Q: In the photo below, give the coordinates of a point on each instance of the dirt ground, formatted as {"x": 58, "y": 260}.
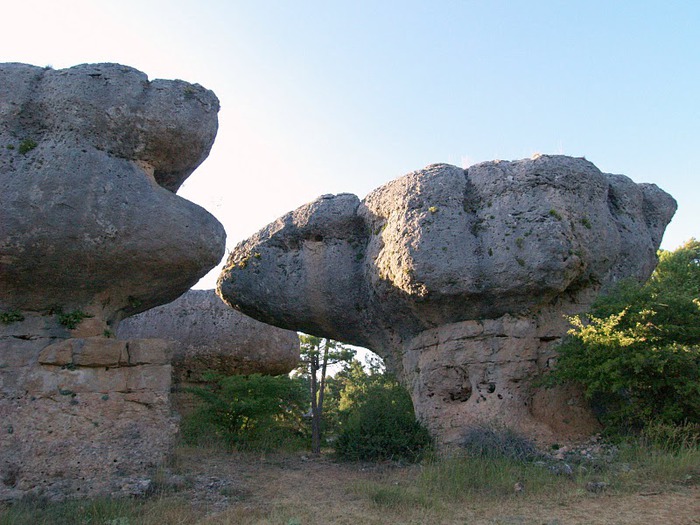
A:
{"x": 294, "y": 489}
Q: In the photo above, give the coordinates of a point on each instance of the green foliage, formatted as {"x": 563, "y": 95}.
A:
{"x": 672, "y": 438}
{"x": 27, "y": 145}
{"x": 72, "y": 319}
{"x": 637, "y": 355}
{"x": 134, "y": 302}
{"x": 331, "y": 416}
{"x": 313, "y": 349}
{"x": 11, "y": 316}
{"x": 379, "y": 423}
{"x": 253, "y": 412}
{"x": 316, "y": 355}
{"x": 554, "y": 213}
{"x": 355, "y": 379}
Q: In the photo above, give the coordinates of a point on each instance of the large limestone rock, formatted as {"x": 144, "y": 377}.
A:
{"x": 459, "y": 279}
{"x": 209, "y": 335}
{"x": 91, "y": 231}
{"x": 82, "y": 416}
{"x": 90, "y": 159}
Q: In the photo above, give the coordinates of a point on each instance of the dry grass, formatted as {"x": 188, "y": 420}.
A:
{"x": 290, "y": 489}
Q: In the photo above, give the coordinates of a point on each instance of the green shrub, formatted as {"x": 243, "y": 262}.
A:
{"x": 253, "y": 412}
{"x": 637, "y": 355}
{"x": 554, "y": 213}
{"x": 380, "y": 424}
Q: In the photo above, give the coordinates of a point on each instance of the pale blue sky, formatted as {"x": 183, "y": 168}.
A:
{"x": 343, "y": 96}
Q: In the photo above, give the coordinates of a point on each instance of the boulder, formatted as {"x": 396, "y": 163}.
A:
{"x": 208, "y": 335}
{"x": 91, "y": 231}
{"x": 459, "y": 279}
{"x": 90, "y": 158}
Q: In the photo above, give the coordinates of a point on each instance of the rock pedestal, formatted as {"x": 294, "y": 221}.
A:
{"x": 90, "y": 160}
{"x": 208, "y": 335}
{"x": 82, "y": 416}
{"x": 476, "y": 373}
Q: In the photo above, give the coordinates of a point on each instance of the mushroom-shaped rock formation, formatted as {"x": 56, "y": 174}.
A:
{"x": 459, "y": 279}
{"x": 209, "y": 335}
{"x": 91, "y": 231}
{"x": 91, "y": 157}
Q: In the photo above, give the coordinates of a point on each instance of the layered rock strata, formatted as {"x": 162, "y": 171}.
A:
{"x": 81, "y": 417}
{"x": 459, "y": 279}
{"x": 209, "y": 336}
{"x": 91, "y": 231}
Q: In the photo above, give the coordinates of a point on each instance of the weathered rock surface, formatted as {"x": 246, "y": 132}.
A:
{"x": 81, "y": 417}
{"x": 209, "y": 335}
{"x": 458, "y": 279}
{"x": 91, "y": 232}
{"x": 90, "y": 158}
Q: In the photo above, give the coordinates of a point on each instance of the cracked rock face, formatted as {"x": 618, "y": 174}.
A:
{"x": 517, "y": 244}
{"x": 90, "y": 158}
{"x": 91, "y": 231}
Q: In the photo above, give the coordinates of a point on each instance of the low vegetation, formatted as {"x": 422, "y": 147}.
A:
{"x": 253, "y": 412}
{"x": 11, "y": 316}
{"x": 71, "y": 319}
{"x": 637, "y": 354}
{"x": 291, "y": 488}
{"x": 27, "y": 145}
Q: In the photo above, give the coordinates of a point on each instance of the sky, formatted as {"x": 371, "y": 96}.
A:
{"x": 336, "y": 96}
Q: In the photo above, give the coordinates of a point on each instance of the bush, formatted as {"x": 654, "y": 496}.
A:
{"x": 253, "y": 412}
{"x": 488, "y": 441}
{"x": 380, "y": 424}
{"x": 637, "y": 355}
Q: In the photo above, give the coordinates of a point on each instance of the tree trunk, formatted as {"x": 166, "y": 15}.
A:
{"x": 315, "y": 415}
{"x": 317, "y": 403}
